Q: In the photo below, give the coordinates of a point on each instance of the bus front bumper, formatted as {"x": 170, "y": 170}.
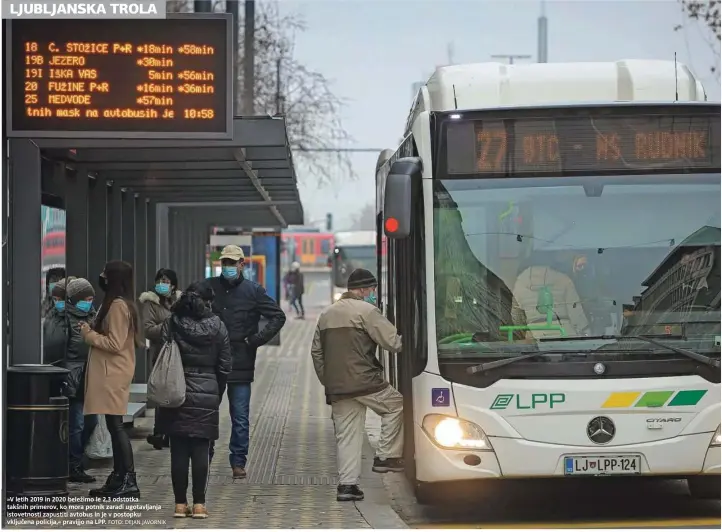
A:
{"x": 681, "y": 456}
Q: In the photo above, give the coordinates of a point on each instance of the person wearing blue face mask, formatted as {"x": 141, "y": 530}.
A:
{"x": 344, "y": 347}
{"x": 240, "y": 303}
{"x": 52, "y": 276}
{"x": 155, "y": 305}
{"x": 55, "y": 326}
{"x": 78, "y": 309}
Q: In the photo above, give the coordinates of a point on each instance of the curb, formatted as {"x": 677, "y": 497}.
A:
{"x": 376, "y": 507}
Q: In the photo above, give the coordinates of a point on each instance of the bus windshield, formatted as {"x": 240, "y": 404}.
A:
{"x": 350, "y": 258}
{"x": 544, "y": 260}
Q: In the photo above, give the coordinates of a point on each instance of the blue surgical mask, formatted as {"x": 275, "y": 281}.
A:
{"x": 230, "y": 272}
{"x": 371, "y": 298}
{"x": 162, "y": 289}
{"x": 60, "y": 306}
{"x": 84, "y": 306}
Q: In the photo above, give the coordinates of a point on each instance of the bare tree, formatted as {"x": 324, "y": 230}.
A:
{"x": 285, "y": 86}
{"x": 705, "y": 13}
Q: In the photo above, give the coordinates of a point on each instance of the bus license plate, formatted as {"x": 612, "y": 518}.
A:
{"x": 628, "y": 464}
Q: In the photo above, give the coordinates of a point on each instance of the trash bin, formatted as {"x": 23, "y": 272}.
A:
{"x": 36, "y": 460}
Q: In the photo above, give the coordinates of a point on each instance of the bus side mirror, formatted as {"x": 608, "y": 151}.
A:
{"x": 397, "y": 197}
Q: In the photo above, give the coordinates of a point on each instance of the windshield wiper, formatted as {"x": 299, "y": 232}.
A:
{"x": 702, "y": 359}
{"x": 479, "y": 368}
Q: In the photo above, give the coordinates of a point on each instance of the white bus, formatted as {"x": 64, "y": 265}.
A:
{"x": 352, "y": 249}
{"x": 553, "y": 265}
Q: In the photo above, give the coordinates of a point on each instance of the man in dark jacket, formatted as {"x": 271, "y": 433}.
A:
{"x": 241, "y": 303}
{"x": 79, "y": 308}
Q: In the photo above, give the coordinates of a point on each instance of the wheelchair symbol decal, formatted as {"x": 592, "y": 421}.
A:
{"x": 440, "y": 397}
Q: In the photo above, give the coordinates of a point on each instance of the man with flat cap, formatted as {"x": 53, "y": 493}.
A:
{"x": 347, "y": 336}
{"x": 240, "y": 303}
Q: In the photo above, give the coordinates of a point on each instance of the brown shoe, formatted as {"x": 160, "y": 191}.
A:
{"x": 182, "y": 510}
{"x": 239, "y": 472}
{"x": 199, "y": 511}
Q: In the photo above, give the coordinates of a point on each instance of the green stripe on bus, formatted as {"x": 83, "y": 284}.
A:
{"x": 687, "y": 398}
{"x": 653, "y": 399}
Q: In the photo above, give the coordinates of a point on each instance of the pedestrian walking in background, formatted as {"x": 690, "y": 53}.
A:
{"x": 344, "y": 357}
{"x": 155, "y": 308}
{"x": 205, "y": 352}
{"x": 240, "y": 303}
{"x": 55, "y": 326}
{"x": 79, "y": 309}
{"x": 111, "y": 366}
{"x": 294, "y": 281}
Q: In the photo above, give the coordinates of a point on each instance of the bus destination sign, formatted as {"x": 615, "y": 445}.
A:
{"x": 162, "y": 78}
{"x": 586, "y": 145}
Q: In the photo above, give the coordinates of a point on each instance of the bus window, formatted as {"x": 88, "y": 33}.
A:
{"x": 325, "y": 247}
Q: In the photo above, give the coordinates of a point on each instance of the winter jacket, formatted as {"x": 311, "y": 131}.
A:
{"x": 154, "y": 310}
{"x": 294, "y": 280}
{"x": 344, "y": 348}
{"x": 55, "y": 337}
{"x": 111, "y": 363}
{"x": 76, "y": 355}
{"x": 206, "y": 356}
{"x": 240, "y": 304}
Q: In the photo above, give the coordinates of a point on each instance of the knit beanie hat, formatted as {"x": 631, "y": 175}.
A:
{"x": 78, "y": 289}
{"x": 361, "y": 278}
{"x": 59, "y": 288}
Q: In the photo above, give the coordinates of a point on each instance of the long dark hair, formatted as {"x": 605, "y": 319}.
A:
{"x": 194, "y": 301}
{"x": 120, "y": 285}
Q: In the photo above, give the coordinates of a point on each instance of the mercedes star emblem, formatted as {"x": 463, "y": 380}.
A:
{"x": 601, "y": 430}
{"x": 599, "y": 368}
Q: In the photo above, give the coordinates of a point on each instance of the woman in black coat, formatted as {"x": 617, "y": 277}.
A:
{"x": 206, "y": 355}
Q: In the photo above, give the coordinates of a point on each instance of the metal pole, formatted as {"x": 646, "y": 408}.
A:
{"x": 232, "y": 8}
{"x": 249, "y": 57}
{"x": 279, "y": 98}
{"x": 202, "y": 6}
{"x": 542, "y": 36}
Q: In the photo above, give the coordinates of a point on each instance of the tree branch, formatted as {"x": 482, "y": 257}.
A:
{"x": 311, "y": 108}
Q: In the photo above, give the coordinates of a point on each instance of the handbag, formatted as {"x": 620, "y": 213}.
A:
{"x": 167, "y": 383}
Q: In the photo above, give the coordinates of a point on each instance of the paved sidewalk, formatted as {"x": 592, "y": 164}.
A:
{"x": 292, "y": 463}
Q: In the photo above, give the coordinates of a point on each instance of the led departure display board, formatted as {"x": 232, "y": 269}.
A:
{"x": 585, "y": 145}
{"x": 162, "y": 78}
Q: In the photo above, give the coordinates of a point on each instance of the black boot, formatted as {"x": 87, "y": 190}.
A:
{"x": 114, "y": 480}
{"x": 127, "y": 488}
{"x": 78, "y": 475}
{"x": 156, "y": 440}
{"x": 166, "y": 442}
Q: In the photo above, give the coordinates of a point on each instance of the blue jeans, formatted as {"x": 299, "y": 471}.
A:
{"x": 239, "y": 401}
{"x": 80, "y": 428}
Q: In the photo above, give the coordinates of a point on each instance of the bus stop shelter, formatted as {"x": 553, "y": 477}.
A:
{"x": 151, "y": 203}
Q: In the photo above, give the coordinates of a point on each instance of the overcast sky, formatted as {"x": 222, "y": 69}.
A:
{"x": 374, "y": 50}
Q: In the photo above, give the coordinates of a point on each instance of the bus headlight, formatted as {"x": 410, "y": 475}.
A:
{"x": 455, "y": 433}
{"x": 716, "y": 439}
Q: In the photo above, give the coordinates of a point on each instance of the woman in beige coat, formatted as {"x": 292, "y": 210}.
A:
{"x": 110, "y": 369}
